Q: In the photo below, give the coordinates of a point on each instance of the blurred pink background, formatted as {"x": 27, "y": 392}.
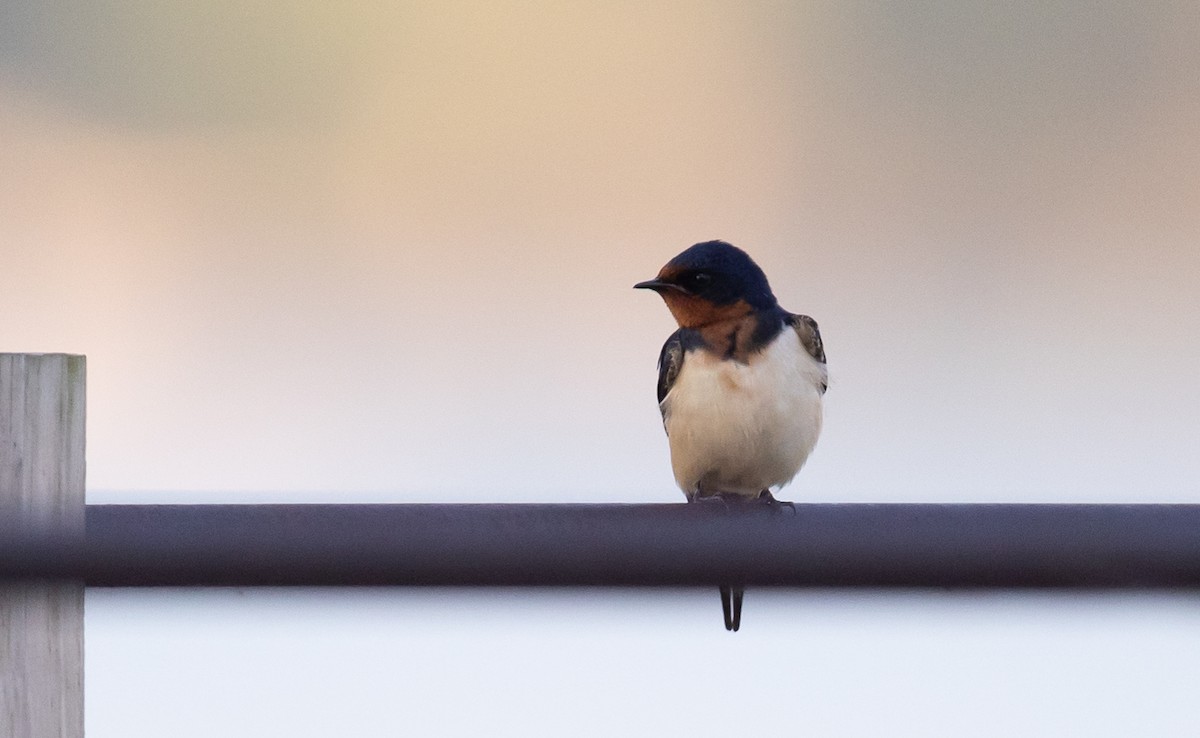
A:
{"x": 355, "y": 252}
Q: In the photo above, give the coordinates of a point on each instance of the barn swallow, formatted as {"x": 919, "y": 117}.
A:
{"x": 740, "y": 384}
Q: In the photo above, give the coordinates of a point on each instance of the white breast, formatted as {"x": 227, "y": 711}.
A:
{"x": 741, "y": 428}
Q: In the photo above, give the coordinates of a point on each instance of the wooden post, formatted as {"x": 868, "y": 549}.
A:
{"x": 42, "y": 405}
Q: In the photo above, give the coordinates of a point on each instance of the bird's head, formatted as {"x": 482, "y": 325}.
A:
{"x": 711, "y": 282}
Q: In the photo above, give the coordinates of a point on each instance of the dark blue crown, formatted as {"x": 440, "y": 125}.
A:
{"x": 734, "y": 275}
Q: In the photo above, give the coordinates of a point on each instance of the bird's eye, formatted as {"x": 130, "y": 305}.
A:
{"x": 700, "y": 280}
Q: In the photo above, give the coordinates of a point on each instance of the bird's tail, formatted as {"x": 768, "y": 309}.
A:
{"x": 731, "y": 605}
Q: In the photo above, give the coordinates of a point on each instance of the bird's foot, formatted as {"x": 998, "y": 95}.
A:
{"x": 767, "y": 498}
{"x": 709, "y": 498}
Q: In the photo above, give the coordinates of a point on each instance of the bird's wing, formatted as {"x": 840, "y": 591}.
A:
{"x": 810, "y": 337}
{"x": 670, "y": 361}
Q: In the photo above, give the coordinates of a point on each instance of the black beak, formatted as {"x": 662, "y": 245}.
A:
{"x": 658, "y": 286}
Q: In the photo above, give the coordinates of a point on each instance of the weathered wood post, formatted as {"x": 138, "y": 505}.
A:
{"x": 42, "y": 407}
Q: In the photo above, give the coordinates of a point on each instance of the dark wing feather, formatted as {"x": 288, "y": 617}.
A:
{"x": 670, "y": 360}
{"x": 810, "y": 337}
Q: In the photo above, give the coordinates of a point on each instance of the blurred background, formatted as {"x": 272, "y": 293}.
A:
{"x": 366, "y": 252}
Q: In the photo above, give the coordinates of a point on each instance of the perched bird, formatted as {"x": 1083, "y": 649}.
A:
{"x": 740, "y": 384}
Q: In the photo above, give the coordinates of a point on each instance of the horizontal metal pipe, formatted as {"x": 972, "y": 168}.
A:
{"x": 806, "y": 545}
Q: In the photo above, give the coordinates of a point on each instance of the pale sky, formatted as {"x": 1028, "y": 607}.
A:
{"x": 351, "y": 252}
